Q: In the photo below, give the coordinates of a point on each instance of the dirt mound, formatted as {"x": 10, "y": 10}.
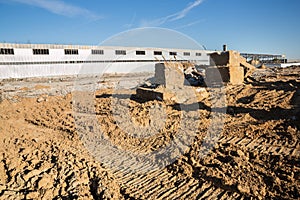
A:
{"x": 42, "y": 154}
{"x": 41, "y": 157}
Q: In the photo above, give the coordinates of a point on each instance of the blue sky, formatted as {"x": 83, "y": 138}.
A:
{"x": 261, "y": 26}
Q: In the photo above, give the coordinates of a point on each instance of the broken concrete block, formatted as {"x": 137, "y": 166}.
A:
{"x": 170, "y": 75}
{"x": 249, "y": 69}
{"x": 227, "y": 58}
{"x": 231, "y": 65}
{"x": 219, "y": 59}
{"x": 236, "y": 75}
{"x": 217, "y": 75}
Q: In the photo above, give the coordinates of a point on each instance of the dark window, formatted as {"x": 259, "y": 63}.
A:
{"x": 140, "y": 53}
{"x": 40, "y": 51}
{"x": 186, "y": 53}
{"x": 157, "y": 53}
{"x": 7, "y": 51}
{"x": 71, "y": 51}
{"x": 120, "y": 52}
{"x": 198, "y": 54}
{"x": 97, "y": 51}
{"x": 173, "y": 53}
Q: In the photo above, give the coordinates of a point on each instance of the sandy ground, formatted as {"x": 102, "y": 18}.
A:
{"x": 44, "y": 154}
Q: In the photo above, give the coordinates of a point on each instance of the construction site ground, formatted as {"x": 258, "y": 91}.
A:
{"x": 256, "y": 155}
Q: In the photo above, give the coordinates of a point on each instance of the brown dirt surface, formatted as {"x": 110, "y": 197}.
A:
{"x": 256, "y": 156}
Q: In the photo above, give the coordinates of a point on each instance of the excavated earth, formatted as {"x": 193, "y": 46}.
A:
{"x": 44, "y": 154}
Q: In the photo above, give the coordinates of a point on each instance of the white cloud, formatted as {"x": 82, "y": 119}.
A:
{"x": 61, "y": 8}
{"x": 173, "y": 17}
{"x": 190, "y": 24}
{"x": 131, "y": 22}
{"x": 186, "y": 10}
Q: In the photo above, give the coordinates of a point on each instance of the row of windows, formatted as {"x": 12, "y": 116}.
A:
{"x": 94, "y": 52}
{"x": 156, "y": 53}
{"x": 120, "y": 52}
{"x": 6, "y": 51}
{"x": 85, "y": 61}
{"x": 40, "y": 51}
{"x": 71, "y": 51}
{"x": 97, "y": 52}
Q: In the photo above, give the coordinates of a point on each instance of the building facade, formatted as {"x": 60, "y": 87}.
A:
{"x": 44, "y": 60}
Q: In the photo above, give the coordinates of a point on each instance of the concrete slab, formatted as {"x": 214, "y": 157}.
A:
{"x": 149, "y": 94}
{"x": 219, "y": 74}
{"x": 236, "y": 75}
{"x": 170, "y": 75}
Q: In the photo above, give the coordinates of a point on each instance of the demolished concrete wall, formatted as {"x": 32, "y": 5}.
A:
{"x": 227, "y": 58}
{"x": 169, "y": 74}
{"x": 219, "y": 74}
{"x": 231, "y": 66}
{"x": 236, "y": 75}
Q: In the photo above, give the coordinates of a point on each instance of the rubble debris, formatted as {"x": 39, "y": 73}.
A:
{"x": 193, "y": 77}
{"x": 255, "y": 63}
{"x": 232, "y": 67}
{"x": 262, "y": 66}
{"x": 173, "y": 77}
{"x": 170, "y": 82}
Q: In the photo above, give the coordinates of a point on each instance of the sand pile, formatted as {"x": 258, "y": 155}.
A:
{"x": 42, "y": 158}
{"x": 256, "y": 154}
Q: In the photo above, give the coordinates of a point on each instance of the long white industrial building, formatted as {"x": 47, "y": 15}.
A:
{"x": 44, "y": 60}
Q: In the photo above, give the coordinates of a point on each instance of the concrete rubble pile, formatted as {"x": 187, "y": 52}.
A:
{"x": 173, "y": 80}
{"x": 232, "y": 67}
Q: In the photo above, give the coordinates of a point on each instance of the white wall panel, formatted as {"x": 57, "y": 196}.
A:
{"x": 33, "y": 66}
